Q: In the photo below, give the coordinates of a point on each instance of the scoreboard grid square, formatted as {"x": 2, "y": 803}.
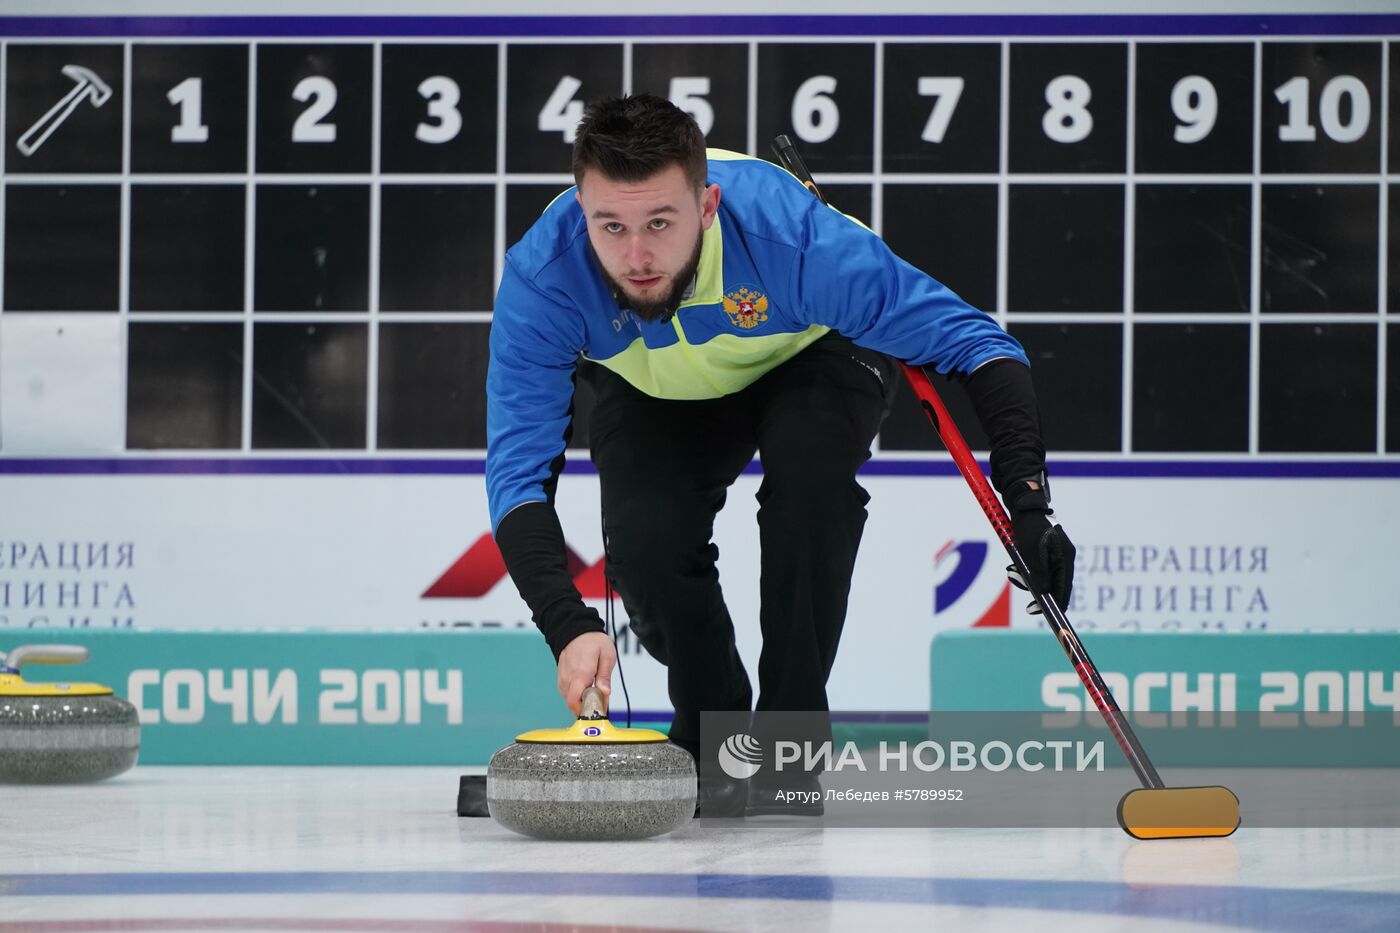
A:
{"x": 1317, "y": 375}
{"x": 63, "y": 246}
{"x": 432, "y": 391}
{"x": 200, "y": 362}
{"x": 1164, "y": 403}
{"x": 1260, "y": 178}
{"x": 172, "y": 260}
{"x": 1204, "y": 230}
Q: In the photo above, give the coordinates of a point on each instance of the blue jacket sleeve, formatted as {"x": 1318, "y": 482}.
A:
{"x": 535, "y": 344}
{"x": 847, "y": 278}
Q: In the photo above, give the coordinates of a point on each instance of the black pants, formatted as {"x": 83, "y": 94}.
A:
{"x": 665, "y": 467}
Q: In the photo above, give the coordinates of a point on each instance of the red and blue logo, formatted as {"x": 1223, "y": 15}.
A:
{"x": 962, "y": 564}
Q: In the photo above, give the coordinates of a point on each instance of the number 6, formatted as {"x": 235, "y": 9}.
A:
{"x": 815, "y": 116}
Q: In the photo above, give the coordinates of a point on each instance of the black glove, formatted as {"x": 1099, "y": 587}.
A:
{"x": 1043, "y": 544}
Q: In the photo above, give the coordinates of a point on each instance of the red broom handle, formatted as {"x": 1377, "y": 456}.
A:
{"x": 952, "y": 438}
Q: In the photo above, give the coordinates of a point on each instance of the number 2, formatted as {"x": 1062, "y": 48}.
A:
{"x": 321, "y": 94}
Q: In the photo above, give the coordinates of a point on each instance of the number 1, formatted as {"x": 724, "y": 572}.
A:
{"x": 188, "y": 95}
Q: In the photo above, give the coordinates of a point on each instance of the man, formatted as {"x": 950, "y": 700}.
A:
{"x": 729, "y": 312}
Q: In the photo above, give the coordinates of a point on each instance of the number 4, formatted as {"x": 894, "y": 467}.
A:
{"x": 561, "y": 113}
{"x": 945, "y": 92}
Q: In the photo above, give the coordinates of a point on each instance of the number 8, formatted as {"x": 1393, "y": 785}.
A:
{"x": 1068, "y": 120}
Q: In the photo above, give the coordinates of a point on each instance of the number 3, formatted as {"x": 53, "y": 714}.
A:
{"x": 442, "y": 95}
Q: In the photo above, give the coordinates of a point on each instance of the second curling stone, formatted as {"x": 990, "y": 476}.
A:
{"x": 61, "y": 733}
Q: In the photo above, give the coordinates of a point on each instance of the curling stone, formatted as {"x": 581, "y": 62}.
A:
{"x": 57, "y": 733}
{"x": 591, "y": 780}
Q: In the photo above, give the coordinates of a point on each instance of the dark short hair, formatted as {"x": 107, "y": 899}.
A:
{"x": 633, "y": 138}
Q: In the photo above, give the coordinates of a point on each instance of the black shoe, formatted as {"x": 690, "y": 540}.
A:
{"x": 798, "y": 795}
{"x": 720, "y": 798}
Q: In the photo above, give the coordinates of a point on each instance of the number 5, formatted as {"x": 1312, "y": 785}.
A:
{"x": 689, "y": 95}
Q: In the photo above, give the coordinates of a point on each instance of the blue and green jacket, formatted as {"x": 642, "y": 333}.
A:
{"x": 778, "y": 269}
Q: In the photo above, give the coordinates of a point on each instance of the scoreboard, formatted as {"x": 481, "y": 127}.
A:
{"x": 1195, "y": 237}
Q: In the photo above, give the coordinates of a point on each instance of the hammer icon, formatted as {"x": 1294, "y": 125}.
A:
{"x": 87, "y": 85}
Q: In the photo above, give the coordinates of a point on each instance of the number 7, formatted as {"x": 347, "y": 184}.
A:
{"x": 946, "y": 91}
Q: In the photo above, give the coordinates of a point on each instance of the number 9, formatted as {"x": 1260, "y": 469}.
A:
{"x": 1195, "y": 105}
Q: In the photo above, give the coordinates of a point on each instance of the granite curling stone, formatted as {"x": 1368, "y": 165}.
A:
{"x": 591, "y": 780}
{"x": 61, "y": 733}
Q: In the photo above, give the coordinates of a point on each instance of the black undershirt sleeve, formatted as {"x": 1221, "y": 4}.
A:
{"x": 1004, "y": 398}
{"x": 532, "y": 543}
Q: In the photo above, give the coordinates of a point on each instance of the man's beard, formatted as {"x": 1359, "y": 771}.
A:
{"x": 661, "y": 308}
